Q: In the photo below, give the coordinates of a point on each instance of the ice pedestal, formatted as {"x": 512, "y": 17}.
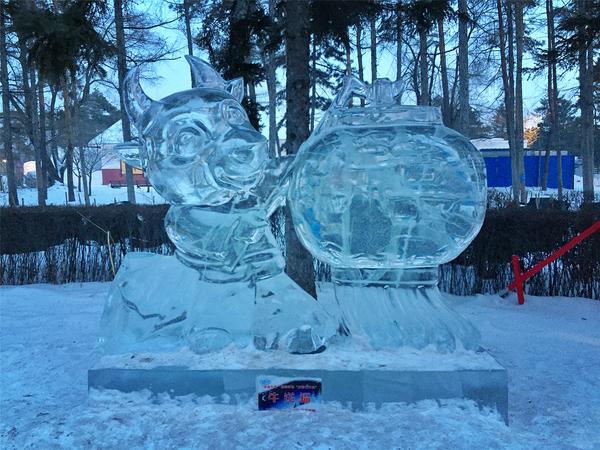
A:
{"x": 352, "y": 374}
{"x": 157, "y": 303}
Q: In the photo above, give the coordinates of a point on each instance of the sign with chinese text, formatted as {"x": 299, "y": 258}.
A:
{"x": 288, "y": 393}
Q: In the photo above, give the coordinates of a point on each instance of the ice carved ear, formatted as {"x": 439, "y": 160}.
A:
{"x": 204, "y": 74}
{"x": 135, "y": 99}
{"x": 236, "y": 88}
{"x": 352, "y": 87}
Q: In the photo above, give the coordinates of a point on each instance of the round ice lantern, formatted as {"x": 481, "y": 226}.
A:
{"x": 386, "y": 187}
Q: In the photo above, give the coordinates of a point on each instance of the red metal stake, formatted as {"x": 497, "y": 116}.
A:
{"x": 518, "y": 279}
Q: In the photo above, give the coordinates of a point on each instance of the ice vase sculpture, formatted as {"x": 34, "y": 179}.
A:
{"x": 384, "y": 194}
{"x": 226, "y": 284}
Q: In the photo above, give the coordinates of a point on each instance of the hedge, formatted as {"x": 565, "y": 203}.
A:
{"x": 67, "y": 244}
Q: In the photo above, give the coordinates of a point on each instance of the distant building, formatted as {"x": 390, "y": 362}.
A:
{"x": 111, "y": 170}
{"x": 496, "y": 155}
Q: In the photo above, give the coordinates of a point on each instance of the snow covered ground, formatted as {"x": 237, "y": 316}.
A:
{"x": 48, "y": 335}
{"x": 101, "y": 195}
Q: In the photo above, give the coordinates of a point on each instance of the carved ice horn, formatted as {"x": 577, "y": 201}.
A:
{"x": 352, "y": 87}
{"x": 204, "y": 74}
{"x": 135, "y": 99}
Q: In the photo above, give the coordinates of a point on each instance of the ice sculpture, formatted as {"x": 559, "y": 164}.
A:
{"x": 226, "y": 284}
{"x": 384, "y": 194}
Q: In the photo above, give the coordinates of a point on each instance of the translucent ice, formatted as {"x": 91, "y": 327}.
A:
{"x": 385, "y": 193}
{"x": 387, "y": 186}
{"x": 200, "y": 152}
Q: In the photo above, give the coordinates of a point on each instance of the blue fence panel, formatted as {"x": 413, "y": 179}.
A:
{"x": 499, "y": 171}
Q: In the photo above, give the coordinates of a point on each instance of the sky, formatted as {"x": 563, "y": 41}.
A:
{"x": 173, "y": 75}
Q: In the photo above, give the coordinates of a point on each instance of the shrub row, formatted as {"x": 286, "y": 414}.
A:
{"x": 66, "y": 244}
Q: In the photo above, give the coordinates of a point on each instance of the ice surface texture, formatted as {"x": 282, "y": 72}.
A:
{"x": 384, "y": 194}
{"x": 200, "y": 152}
{"x": 157, "y": 303}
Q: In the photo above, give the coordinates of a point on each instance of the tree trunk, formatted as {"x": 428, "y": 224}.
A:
{"x": 463, "y": 68}
{"x": 57, "y": 162}
{"x": 586, "y": 104}
{"x": 359, "y": 58}
{"x": 83, "y": 176}
{"x": 508, "y": 100}
{"x": 122, "y": 71}
{"x": 587, "y": 121}
{"x": 313, "y": 85}
{"x": 552, "y": 103}
{"x": 187, "y": 20}
{"x": 399, "y": 43}
{"x": 40, "y": 176}
{"x": 69, "y": 135}
{"x": 45, "y": 169}
{"x": 297, "y": 40}
{"x": 13, "y": 199}
{"x": 348, "y": 52}
{"x": 30, "y": 118}
{"x": 519, "y": 131}
{"x": 251, "y": 92}
{"x": 359, "y": 54}
{"x": 271, "y": 76}
{"x": 373, "y": 49}
{"x": 446, "y": 113}
{"x": 423, "y": 66}
{"x": 432, "y": 72}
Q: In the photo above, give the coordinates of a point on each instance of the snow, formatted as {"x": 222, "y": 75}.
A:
{"x": 344, "y": 357}
{"x": 48, "y": 340}
{"x": 495, "y": 143}
{"x": 101, "y": 195}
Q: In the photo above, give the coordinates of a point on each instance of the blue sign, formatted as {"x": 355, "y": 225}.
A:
{"x": 288, "y": 393}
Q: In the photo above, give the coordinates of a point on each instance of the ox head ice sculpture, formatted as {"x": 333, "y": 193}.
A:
{"x": 198, "y": 146}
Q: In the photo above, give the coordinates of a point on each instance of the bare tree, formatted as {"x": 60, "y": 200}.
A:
{"x": 552, "y": 102}
{"x": 423, "y": 97}
{"x": 507, "y": 67}
{"x": 399, "y": 38}
{"x": 122, "y": 72}
{"x": 463, "y": 67}
{"x": 446, "y": 113}
{"x": 373, "y": 36}
{"x": 519, "y": 131}
{"x": 359, "y": 53}
{"x": 13, "y": 199}
{"x": 271, "y": 78}
{"x": 586, "y": 104}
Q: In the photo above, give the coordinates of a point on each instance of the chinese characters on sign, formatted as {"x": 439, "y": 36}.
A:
{"x": 288, "y": 393}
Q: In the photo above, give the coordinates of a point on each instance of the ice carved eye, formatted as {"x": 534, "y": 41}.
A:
{"x": 186, "y": 140}
{"x": 243, "y": 155}
{"x": 233, "y": 113}
{"x": 187, "y": 144}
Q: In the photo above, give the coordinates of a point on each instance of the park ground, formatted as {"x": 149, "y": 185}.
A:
{"x": 49, "y": 338}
